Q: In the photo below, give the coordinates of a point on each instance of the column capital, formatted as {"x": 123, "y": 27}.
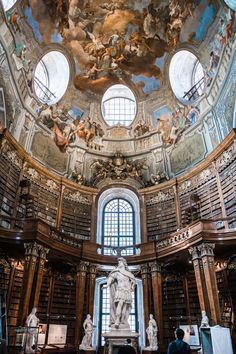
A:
{"x": 32, "y": 249}
{"x": 82, "y": 267}
{"x": 206, "y": 249}
{"x": 144, "y": 269}
{"x": 194, "y": 252}
{"x": 155, "y": 267}
{"x": 92, "y": 268}
{"x": 43, "y": 251}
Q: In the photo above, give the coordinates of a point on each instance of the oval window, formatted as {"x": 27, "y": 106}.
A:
{"x": 51, "y": 77}
{"x": 186, "y": 76}
{"x": 8, "y": 4}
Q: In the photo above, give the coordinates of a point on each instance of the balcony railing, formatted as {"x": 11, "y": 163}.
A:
{"x": 28, "y": 230}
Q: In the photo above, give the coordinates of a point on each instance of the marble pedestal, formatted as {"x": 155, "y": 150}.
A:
{"x": 82, "y": 351}
{"x": 118, "y": 337}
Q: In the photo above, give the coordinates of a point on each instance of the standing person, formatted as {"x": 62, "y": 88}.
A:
{"x": 178, "y": 346}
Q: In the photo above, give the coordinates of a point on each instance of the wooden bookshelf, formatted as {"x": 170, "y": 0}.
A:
{"x": 76, "y": 219}
{"x": 161, "y": 219}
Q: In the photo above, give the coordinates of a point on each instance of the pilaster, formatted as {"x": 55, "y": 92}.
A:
{"x": 200, "y": 279}
{"x": 157, "y": 297}
{"x": 145, "y": 276}
{"x": 31, "y": 254}
{"x": 80, "y": 299}
{"x": 42, "y": 252}
{"x": 207, "y": 255}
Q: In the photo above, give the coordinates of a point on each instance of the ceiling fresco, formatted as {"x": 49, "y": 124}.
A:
{"x": 120, "y": 41}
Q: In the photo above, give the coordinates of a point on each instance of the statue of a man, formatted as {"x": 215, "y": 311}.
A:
{"x": 121, "y": 283}
{"x": 31, "y": 336}
{"x": 205, "y": 319}
{"x": 152, "y": 333}
{"x": 88, "y": 332}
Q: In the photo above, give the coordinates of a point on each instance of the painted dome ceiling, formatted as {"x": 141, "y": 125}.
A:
{"x": 138, "y": 79}
{"x": 120, "y": 41}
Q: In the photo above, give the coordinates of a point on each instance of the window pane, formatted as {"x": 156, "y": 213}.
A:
{"x": 118, "y": 225}
{"x": 119, "y": 105}
{"x": 105, "y": 313}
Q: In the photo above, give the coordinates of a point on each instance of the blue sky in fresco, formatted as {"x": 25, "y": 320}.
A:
{"x": 205, "y": 20}
{"x": 150, "y": 83}
{"x": 56, "y": 37}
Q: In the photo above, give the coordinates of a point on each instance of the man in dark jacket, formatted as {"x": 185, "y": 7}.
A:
{"x": 178, "y": 346}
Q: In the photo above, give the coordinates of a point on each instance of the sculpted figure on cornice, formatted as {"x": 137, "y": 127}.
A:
{"x": 171, "y": 125}
{"x": 56, "y": 119}
{"x": 159, "y": 177}
{"x": 118, "y": 168}
{"x": 140, "y": 128}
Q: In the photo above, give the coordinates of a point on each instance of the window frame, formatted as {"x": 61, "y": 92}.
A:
{"x": 133, "y": 312}
{"x": 119, "y": 192}
{"x": 127, "y": 95}
{"x": 118, "y": 225}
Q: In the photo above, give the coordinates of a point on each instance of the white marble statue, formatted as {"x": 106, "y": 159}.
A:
{"x": 152, "y": 333}
{"x": 205, "y": 320}
{"x": 121, "y": 283}
{"x": 31, "y": 335}
{"x": 88, "y": 326}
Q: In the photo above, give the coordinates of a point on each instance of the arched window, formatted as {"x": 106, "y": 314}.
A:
{"x": 118, "y": 221}
{"x": 119, "y": 105}
{"x": 118, "y": 225}
{"x": 51, "y": 77}
{"x": 102, "y": 312}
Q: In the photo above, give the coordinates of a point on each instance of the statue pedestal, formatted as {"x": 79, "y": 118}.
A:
{"x": 92, "y": 351}
{"x": 118, "y": 337}
{"x": 148, "y": 351}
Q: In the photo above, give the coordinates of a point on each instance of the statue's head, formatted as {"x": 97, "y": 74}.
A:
{"x": 122, "y": 263}
{"x": 88, "y": 317}
{"x": 34, "y": 310}
{"x": 151, "y": 316}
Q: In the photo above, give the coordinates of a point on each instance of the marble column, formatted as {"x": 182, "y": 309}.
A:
{"x": 146, "y": 300}
{"x": 200, "y": 279}
{"x": 31, "y": 254}
{"x": 92, "y": 283}
{"x": 80, "y": 299}
{"x": 207, "y": 255}
{"x": 157, "y": 298}
{"x": 42, "y": 251}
